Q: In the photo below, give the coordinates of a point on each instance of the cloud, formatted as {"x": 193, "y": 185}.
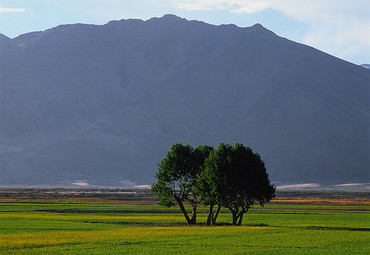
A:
{"x": 339, "y": 27}
{"x": 197, "y": 5}
{"x": 11, "y": 10}
{"x": 235, "y": 6}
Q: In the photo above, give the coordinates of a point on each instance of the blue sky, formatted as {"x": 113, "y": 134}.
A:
{"x": 338, "y": 27}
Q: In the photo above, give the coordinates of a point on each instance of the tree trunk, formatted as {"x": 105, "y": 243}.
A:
{"x": 240, "y": 218}
{"x": 216, "y": 215}
{"x": 210, "y": 219}
{"x": 235, "y": 218}
{"x": 194, "y": 214}
{"x": 241, "y": 214}
{"x": 181, "y": 205}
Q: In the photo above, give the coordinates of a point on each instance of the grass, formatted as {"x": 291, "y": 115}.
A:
{"x": 101, "y": 226}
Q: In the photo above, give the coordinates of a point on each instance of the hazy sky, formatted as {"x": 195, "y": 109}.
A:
{"x": 338, "y": 27}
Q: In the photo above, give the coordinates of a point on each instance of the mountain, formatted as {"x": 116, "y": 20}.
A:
{"x": 103, "y": 104}
{"x": 367, "y": 66}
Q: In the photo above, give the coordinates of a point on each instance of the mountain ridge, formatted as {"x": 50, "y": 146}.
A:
{"x": 118, "y": 95}
{"x": 367, "y": 66}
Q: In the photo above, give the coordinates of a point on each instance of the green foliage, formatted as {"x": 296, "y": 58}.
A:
{"x": 201, "y": 153}
{"x": 235, "y": 178}
{"x": 229, "y": 176}
{"x": 177, "y": 177}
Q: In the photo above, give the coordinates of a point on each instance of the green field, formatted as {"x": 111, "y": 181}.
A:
{"x": 107, "y": 226}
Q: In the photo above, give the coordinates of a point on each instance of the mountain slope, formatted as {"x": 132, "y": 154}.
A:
{"x": 367, "y": 66}
{"x": 105, "y": 103}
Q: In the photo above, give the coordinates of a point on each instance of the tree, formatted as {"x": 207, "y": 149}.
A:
{"x": 236, "y": 178}
{"x": 177, "y": 176}
{"x": 206, "y": 189}
{"x": 201, "y": 188}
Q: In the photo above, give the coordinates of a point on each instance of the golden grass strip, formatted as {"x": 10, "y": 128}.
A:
{"x": 89, "y": 217}
{"x": 28, "y": 240}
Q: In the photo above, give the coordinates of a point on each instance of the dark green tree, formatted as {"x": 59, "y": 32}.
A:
{"x": 201, "y": 185}
{"x": 207, "y": 188}
{"x": 236, "y": 178}
{"x": 177, "y": 176}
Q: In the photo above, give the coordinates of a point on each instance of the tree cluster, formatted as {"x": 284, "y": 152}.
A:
{"x": 229, "y": 176}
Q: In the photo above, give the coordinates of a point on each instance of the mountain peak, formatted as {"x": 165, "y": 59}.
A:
{"x": 258, "y": 26}
{"x": 167, "y": 18}
{"x": 4, "y": 41}
{"x": 171, "y": 16}
{"x": 4, "y": 37}
{"x": 104, "y": 103}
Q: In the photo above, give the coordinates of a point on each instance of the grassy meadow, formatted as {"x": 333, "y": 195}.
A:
{"x": 102, "y": 225}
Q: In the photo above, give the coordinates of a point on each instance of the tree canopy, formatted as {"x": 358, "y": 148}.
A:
{"x": 236, "y": 179}
{"x": 230, "y": 176}
{"x": 177, "y": 177}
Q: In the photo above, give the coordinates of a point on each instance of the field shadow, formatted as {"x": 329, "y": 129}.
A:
{"x": 106, "y": 211}
{"x": 335, "y": 228}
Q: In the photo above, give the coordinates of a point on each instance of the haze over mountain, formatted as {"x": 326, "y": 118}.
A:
{"x": 103, "y": 104}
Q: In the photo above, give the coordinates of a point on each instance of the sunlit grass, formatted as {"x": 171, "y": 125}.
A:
{"x": 98, "y": 228}
{"x": 223, "y": 240}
